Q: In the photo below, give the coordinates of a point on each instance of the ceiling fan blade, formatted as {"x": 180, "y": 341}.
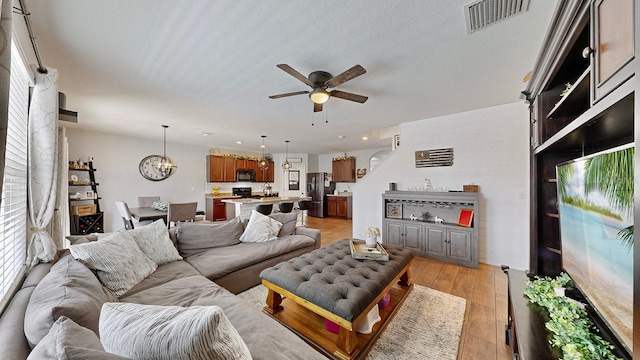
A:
{"x": 293, "y": 72}
{"x": 348, "y": 96}
{"x": 317, "y": 107}
{"x": 354, "y": 72}
{"x": 288, "y": 94}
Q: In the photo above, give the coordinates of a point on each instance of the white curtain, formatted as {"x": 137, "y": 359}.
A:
{"x": 60, "y": 226}
{"x": 43, "y": 165}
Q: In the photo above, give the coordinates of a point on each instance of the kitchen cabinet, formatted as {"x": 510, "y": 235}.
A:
{"x": 409, "y": 220}
{"x": 221, "y": 168}
{"x": 267, "y": 175}
{"x": 215, "y": 209}
{"x": 246, "y": 164}
{"x": 339, "y": 206}
{"x": 344, "y": 170}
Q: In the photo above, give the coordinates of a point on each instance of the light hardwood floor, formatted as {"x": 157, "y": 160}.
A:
{"x": 485, "y": 290}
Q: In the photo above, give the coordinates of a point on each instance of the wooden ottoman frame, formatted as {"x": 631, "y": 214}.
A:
{"x": 347, "y": 341}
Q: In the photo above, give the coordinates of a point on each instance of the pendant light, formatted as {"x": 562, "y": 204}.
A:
{"x": 165, "y": 166}
{"x": 263, "y": 163}
{"x": 286, "y": 165}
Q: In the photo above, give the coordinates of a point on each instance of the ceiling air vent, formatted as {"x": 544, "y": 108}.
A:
{"x": 482, "y": 13}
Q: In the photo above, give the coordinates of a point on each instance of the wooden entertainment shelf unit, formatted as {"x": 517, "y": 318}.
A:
{"x": 582, "y": 101}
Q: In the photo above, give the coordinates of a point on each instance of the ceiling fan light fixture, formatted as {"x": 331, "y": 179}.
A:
{"x": 319, "y": 96}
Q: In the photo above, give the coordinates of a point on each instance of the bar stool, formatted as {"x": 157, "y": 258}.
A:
{"x": 304, "y": 207}
{"x": 264, "y": 209}
{"x": 286, "y": 207}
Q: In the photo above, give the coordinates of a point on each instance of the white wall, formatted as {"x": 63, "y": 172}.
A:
{"x": 491, "y": 150}
{"x": 117, "y": 159}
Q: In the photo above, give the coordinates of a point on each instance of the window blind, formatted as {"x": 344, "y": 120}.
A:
{"x": 13, "y": 208}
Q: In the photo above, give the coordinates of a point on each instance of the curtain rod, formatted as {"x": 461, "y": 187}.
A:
{"x": 25, "y": 13}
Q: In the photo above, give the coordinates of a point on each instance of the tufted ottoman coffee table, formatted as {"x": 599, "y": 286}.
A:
{"x": 332, "y": 284}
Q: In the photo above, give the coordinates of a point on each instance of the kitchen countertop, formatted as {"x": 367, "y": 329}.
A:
{"x": 265, "y": 200}
{"x": 221, "y": 196}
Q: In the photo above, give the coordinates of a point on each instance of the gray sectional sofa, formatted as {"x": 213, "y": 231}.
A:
{"x": 211, "y": 272}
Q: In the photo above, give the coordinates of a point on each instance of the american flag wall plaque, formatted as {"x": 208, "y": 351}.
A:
{"x": 434, "y": 157}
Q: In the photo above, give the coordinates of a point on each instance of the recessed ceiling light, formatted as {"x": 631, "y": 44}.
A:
{"x": 365, "y": 138}
{"x": 341, "y": 137}
{"x": 239, "y": 142}
{"x": 205, "y": 134}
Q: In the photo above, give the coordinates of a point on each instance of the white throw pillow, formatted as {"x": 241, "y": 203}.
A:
{"x": 260, "y": 228}
{"x": 169, "y": 332}
{"x": 154, "y": 241}
{"x": 119, "y": 262}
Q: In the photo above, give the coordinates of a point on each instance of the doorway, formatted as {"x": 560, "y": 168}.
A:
{"x": 295, "y": 181}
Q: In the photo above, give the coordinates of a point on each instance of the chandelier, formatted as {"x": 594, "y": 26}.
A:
{"x": 286, "y": 165}
{"x": 263, "y": 163}
{"x": 165, "y": 166}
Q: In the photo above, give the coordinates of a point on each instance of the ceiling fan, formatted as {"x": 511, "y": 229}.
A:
{"x": 320, "y": 81}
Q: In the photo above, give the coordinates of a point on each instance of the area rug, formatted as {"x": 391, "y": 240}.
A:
{"x": 427, "y": 326}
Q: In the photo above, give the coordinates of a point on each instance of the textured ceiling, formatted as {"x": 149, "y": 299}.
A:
{"x": 209, "y": 66}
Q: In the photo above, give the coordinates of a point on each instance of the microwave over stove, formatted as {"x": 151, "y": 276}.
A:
{"x": 246, "y": 175}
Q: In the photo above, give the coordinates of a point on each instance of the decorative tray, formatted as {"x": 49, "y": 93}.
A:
{"x": 360, "y": 251}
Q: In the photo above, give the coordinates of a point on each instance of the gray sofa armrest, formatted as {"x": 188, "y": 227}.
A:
{"x": 312, "y": 233}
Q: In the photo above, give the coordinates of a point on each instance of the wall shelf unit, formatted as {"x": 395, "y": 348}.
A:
{"x": 410, "y": 219}
{"x": 84, "y": 211}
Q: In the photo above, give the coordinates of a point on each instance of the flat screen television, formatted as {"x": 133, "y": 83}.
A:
{"x": 595, "y": 205}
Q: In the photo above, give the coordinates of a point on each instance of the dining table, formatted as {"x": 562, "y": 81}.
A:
{"x": 153, "y": 214}
{"x": 148, "y": 213}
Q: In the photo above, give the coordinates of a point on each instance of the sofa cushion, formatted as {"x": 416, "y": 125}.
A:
{"x": 260, "y": 228}
{"x": 119, "y": 262}
{"x": 222, "y": 261}
{"x": 67, "y": 340}
{"x": 196, "y": 238}
{"x": 265, "y": 337}
{"x": 288, "y": 221}
{"x": 69, "y": 289}
{"x": 170, "y": 332}
{"x": 164, "y": 273}
{"x": 154, "y": 241}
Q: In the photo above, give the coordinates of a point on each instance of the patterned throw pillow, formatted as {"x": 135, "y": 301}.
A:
{"x": 154, "y": 241}
{"x": 260, "y": 228}
{"x": 169, "y": 332}
{"x": 119, "y": 262}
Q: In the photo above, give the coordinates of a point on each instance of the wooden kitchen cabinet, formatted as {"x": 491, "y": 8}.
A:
{"x": 221, "y": 168}
{"x": 267, "y": 175}
{"x": 339, "y": 206}
{"x": 344, "y": 170}
{"x": 215, "y": 209}
{"x": 246, "y": 164}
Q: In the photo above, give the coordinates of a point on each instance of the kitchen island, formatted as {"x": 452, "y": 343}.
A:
{"x": 243, "y": 206}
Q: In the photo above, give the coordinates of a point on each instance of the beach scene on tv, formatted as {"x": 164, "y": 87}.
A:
{"x": 596, "y": 226}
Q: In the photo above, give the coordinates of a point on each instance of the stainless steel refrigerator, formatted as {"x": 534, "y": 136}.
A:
{"x": 318, "y": 186}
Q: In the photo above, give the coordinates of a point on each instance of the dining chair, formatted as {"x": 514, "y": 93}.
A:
{"x": 129, "y": 221}
{"x": 181, "y": 212}
{"x": 147, "y": 201}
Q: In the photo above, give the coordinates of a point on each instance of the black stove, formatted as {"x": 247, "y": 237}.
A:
{"x": 244, "y": 192}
